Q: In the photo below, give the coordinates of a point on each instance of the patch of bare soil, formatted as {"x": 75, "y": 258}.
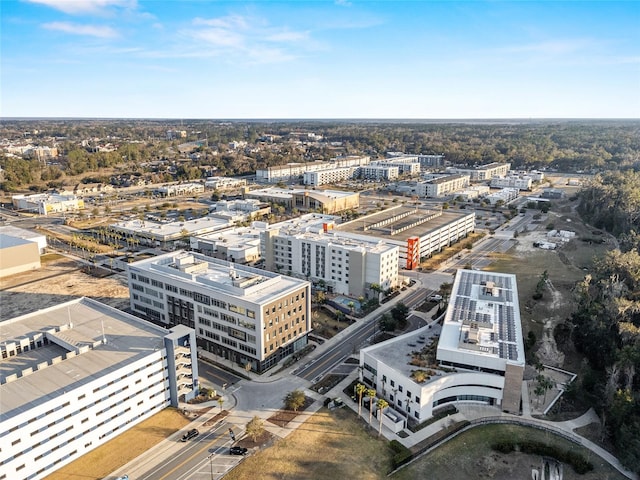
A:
{"x": 265, "y": 439}
{"x": 60, "y": 279}
{"x": 283, "y": 417}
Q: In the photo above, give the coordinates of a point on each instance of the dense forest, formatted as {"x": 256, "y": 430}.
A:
{"x": 568, "y": 146}
{"x": 606, "y": 325}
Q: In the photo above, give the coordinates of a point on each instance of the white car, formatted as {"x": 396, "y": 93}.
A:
{"x": 435, "y": 298}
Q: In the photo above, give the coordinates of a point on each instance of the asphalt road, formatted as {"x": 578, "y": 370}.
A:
{"x": 201, "y": 458}
{"x": 215, "y": 375}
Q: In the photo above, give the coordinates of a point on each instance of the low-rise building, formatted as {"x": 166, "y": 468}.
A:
{"x": 324, "y": 201}
{"x": 505, "y": 196}
{"x": 512, "y": 181}
{"x": 224, "y": 183}
{"x": 476, "y": 357}
{"x": 32, "y": 236}
{"x": 17, "y": 255}
{"x": 251, "y": 317}
{"x": 47, "y": 203}
{"x": 239, "y": 245}
{"x": 76, "y": 375}
{"x": 168, "y": 234}
{"x": 180, "y": 189}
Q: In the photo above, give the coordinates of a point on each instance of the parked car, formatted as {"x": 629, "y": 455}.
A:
{"x": 238, "y": 451}
{"x": 123, "y": 477}
{"x": 190, "y": 434}
{"x": 435, "y": 298}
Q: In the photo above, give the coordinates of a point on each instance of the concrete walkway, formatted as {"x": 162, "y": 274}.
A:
{"x": 474, "y": 412}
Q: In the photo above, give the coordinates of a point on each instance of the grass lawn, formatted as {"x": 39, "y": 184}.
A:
{"x": 100, "y": 462}
{"x": 329, "y": 445}
{"x": 470, "y": 456}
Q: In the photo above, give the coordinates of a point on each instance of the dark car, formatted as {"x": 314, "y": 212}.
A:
{"x": 190, "y": 434}
{"x": 238, "y": 451}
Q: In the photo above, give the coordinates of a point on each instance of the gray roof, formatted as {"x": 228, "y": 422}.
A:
{"x": 127, "y": 339}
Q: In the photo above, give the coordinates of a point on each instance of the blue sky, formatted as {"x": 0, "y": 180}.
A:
{"x": 320, "y": 59}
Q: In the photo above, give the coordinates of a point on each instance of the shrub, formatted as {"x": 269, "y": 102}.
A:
{"x": 401, "y": 454}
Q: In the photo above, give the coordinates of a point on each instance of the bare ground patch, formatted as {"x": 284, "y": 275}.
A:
{"x": 60, "y": 279}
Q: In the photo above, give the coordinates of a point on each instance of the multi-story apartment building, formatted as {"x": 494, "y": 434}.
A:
{"x": 334, "y": 175}
{"x": 479, "y": 353}
{"x": 346, "y": 266}
{"x": 379, "y": 172}
{"x": 249, "y": 316}
{"x": 441, "y": 185}
{"x": 425, "y": 161}
{"x": 77, "y": 374}
{"x": 405, "y": 165}
{"x": 483, "y": 172}
{"x": 512, "y": 181}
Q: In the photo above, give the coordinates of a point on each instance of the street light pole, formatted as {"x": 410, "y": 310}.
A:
{"x": 210, "y": 457}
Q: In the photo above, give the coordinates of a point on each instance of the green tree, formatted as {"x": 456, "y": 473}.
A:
{"x": 381, "y": 404}
{"x": 371, "y": 394}
{"x": 360, "y": 389}
{"x": 400, "y": 314}
{"x": 255, "y": 428}
{"x": 294, "y": 400}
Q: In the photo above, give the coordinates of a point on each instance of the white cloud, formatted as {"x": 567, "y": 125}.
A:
{"x": 99, "y": 31}
{"x": 76, "y": 7}
{"x": 247, "y": 39}
{"x": 343, "y": 3}
{"x": 552, "y": 47}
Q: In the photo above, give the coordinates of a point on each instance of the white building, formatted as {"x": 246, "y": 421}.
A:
{"x": 425, "y": 161}
{"x": 47, "y": 203}
{"x": 239, "y": 245}
{"x": 418, "y": 232}
{"x": 346, "y": 266}
{"x": 442, "y": 185}
{"x": 334, "y": 175}
{"x": 474, "y": 191}
{"x": 248, "y": 316}
{"x": 483, "y": 172}
{"x": 505, "y": 196}
{"x": 224, "y": 183}
{"x": 169, "y": 234}
{"x": 76, "y": 375}
{"x": 180, "y": 189}
{"x": 479, "y": 356}
{"x": 239, "y": 210}
{"x": 405, "y": 165}
{"x": 37, "y": 238}
{"x": 379, "y": 172}
{"x": 512, "y": 181}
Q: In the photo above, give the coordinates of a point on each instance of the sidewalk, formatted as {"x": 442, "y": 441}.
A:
{"x": 471, "y": 412}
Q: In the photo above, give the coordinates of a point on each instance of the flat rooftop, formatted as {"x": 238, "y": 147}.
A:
{"x": 349, "y": 243}
{"x": 79, "y": 323}
{"x": 173, "y": 229}
{"x": 397, "y": 352}
{"x": 395, "y": 219}
{"x": 483, "y": 316}
{"x": 286, "y": 193}
{"x": 251, "y": 284}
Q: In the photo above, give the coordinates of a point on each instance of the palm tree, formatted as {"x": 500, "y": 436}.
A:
{"x": 371, "y": 393}
{"x": 381, "y": 404}
{"x": 220, "y": 402}
{"x": 360, "y": 389}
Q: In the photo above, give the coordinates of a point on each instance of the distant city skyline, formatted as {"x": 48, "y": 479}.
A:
{"x": 320, "y": 59}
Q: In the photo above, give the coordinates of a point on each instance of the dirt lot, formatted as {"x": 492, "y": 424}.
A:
{"x": 60, "y": 279}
